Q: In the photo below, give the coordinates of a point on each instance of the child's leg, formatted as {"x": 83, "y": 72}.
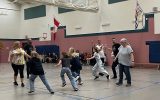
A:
{"x": 69, "y": 74}
{"x": 63, "y": 71}
{"x": 45, "y": 82}
{"x": 94, "y": 69}
{"x": 102, "y": 70}
{"x": 79, "y": 79}
{"x": 32, "y": 78}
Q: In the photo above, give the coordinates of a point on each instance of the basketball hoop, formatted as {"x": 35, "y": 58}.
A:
{"x": 44, "y": 35}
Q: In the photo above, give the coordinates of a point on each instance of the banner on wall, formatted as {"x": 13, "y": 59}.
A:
{"x": 138, "y": 15}
{"x": 54, "y": 29}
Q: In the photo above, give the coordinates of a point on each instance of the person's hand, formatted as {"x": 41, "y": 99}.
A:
{"x": 133, "y": 63}
{"x": 88, "y": 59}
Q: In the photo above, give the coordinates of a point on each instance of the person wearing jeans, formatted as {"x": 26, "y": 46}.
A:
{"x": 126, "y": 70}
{"x": 36, "y": 69}
{"x": 65, "y": 61}
{"x": 43, "y": 79}
{"x": 126, "y": 60}
{"x": 66, "y": 70}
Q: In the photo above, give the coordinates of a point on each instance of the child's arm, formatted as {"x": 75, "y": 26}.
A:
{"x": 58, "y": 63}
{"x": 90, "y": 58}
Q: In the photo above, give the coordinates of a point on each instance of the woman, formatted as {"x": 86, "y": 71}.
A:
{"x": 126, "y": 60}
{"x": 17, "y": 57}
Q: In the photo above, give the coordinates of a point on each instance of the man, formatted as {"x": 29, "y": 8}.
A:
{"x": 28, "y": 48}
{"x": 115, "y": 51}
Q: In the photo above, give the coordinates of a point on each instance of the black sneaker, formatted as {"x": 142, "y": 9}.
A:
{"x": 107, "y": 77}
{"x": 30, "y": 91}
{"x": 101, "y": 74}
{"x": 22, "y": 85}
{"x": 64, "y": 84}
{"x": 15, "y": 83}
{"x": 52, "y": 92}
{"x": 119, "y": 84}
{"x": 128, "y": 85}
{"x": 113, "y": 77}
{"x": 96, "y": 77}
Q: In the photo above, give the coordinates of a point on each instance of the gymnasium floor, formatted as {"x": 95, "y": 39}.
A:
{"x": 145, "y": 86}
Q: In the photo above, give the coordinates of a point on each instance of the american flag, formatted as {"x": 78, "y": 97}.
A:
{"x": 138, "y": 15}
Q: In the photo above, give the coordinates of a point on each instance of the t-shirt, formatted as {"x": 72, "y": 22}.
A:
{"x": 65, "y": 62}
{"x": 124, "y": 55}
{"x": 115, "y": 48}
{"x": 18, "y": 55}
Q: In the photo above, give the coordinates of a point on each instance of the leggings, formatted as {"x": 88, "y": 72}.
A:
{"x": 18, "y": 68}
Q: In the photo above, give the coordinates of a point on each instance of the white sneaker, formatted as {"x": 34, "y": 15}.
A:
{"x": 76, "y": 78}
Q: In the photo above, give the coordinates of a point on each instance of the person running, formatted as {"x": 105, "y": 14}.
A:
{"x": 76, "y": 66}
{"x": 65, "y": 61}
{"x": 98, "y": 67}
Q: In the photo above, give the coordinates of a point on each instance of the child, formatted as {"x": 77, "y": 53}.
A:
{"x": 65, "y": 61}
{"x": 37, "y": 70}
{"x": 98, "y": 67}
{"x": 76, "y": 66}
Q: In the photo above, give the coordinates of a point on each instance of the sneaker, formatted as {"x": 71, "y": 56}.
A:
{"x": 22, "y": 85}
{"x": 76, "y": 78}
{"x": 15, "y": 83}
{"x": 81, "y": 83}
{"x": 52, "y": 92}
{"x": 101, "y": 74}
{"x": 30, "y": 91}
{"x": 64, "y": 84}
{"x": 107, "y": 77}
{"x": 119, "y": 84}
{"x": 128, "y": 85}
{"x": 96, "y": 77}
{"x": 113, "y": 77}
{"x": 76, "y": 89}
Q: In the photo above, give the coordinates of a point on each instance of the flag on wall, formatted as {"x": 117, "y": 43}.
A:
{"x": 54, "y": 29}
{"x": 138, "y": 15}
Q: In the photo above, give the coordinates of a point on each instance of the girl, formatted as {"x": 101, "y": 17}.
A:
{"x": 76, "y": 66}
{"x": 98, "y": 67}
{"x": 65, "y": 61}
{"x": 37, "y": 70}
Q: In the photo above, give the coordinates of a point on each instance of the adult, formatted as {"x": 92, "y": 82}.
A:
{"x": 126, "y": 60}
{"x": 28, "y": 48}
{"x": 114, "y": 53}
{"x": 17, "y": 57}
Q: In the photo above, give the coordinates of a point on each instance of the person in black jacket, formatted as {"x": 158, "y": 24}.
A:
{"x": 115, "y": 50}
{"x": 28, "y": 48}
{"x": 36, "y": 69}
{"x": 76, "y": 66}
